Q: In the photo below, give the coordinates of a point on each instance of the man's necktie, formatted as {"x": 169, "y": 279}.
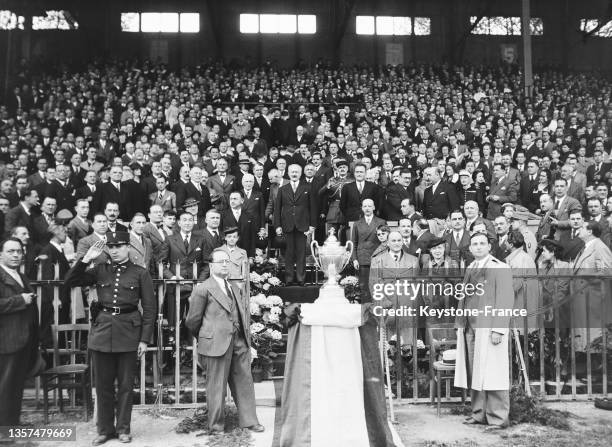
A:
{"x": 360, "y": 188}
{"x": 186, "y": 242}
{"x": 557, "y": 202}
{"x": 396, "y": 257}
{"x": 161, "y": 196}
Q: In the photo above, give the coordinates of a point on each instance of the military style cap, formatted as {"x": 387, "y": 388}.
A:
{"x": 341, "y": 162}
{"x": 117, "y": 238}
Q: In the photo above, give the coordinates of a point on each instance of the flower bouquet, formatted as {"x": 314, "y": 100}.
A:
{"x": 352, "y": 291}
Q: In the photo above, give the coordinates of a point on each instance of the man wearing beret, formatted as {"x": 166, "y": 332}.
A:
{"x": 119, "y": 333}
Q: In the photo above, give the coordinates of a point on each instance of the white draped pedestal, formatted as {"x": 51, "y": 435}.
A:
{"x": 332, "y": 350}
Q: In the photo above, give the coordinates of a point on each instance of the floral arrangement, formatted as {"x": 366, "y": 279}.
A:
{"x": 352, "y": 291}
{"x": 265, "y": 309}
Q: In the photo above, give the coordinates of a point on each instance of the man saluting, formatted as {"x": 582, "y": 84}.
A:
{"x": 119, "y": 333}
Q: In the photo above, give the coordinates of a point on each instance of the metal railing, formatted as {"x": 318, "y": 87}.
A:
{"x": 574, "y": 377}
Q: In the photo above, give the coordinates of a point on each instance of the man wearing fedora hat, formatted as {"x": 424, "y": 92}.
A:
{"x": 119, "y": 333}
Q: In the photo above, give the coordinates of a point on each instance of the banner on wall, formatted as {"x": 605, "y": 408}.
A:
{"x": 509, "y": 53}
{"x": 394, "y": 54}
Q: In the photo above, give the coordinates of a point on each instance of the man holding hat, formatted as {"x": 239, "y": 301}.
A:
{"x": 119, "y": 333}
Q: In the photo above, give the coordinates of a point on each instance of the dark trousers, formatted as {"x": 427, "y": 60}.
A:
{"x": 13, "y": 370}
{"x": 107, "y": 367}
{"x": 295, "y": 253}
{"x": 233, "y": 368}
{"x": 364, "y": 283}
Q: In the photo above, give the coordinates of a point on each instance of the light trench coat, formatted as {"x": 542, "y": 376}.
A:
{"x": 526, "y": 290}
{"x": 491, "y": 368}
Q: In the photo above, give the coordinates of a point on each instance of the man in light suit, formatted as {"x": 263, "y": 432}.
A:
{"x": 18, "y": 331}
{"x": 100, "y": 227}
{"x": 164, "y": 198}
{"x": 80, "y": 225}
{"x": 594, "y": 259}
{"x": 574, "y": 187}
{"x": 295, "y": 215}
{"x": 365, "y": 241}
{"x": 504, "y": 189}
{"x": 219, "y": 318}
{"x": 563, "y": 206}
{"x": 221, "y": 184}
{"x": 154, "y": 228}
{"x": 482, "y": 341}
{"x": 141, "y": 248}
{"x": 392, "y": 265}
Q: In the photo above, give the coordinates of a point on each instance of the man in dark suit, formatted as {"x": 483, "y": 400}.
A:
{"x": 219, "y": 318}
{"x": 353, "y": 195}
{"x": 295, "y": 215}
{"x": 253, "y": 202}
{"x": 91, "y": 192}
{"x": 458, "y": 240}
{"x": 119, "y": 333}
{"x": 41, "y": 223}
{"x": 194, "y": 189}
{"x": 439, "y": 198}
{"x": 52, "y": 254}
{"x": 179, "y": 252}
{"x": 154, "y": 230}
{"x": 396, "y": 193}
{"x": 18, "y": 331}
{"x": 118, "y": 192}
{"x": 365, "y": 242}
{"x": 596, "y": 172}
{"x": 22, "y": 214}
{"x": 502, "y": 228}
{"x": 237, "y": 216}
{"x": 61, "y": 189}
{"x": 529, "y": 182}
{"x": 504, "y": 189}
{"x": 111, "y": 211}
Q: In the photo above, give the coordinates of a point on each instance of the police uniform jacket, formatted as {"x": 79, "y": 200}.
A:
{"x": 120, "y": 285}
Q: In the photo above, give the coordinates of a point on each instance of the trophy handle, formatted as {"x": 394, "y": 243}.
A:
{"x": 314, "y": 250}
{"x": 349, "y": 251}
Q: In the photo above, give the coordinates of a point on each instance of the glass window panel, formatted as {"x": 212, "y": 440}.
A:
{"x": 10, "y": 20}
{"x": 536, "y": 26}
{"x": 384, "y": 26}
{"x": 169, "y": 22}
{"x": 364, "y": 25}
{"x": 402, "y": 26}
{"x": 422, "y": 26}
{"x": 268, "y": 23}
{"x": 249, "y": 23}
{"x": 53, "y": 20}
{"x": 287, "y": 23}
{"x": 588, "y": 25}
{"x": 150, "y": 22}
{"x": 130, "y": 22}
{"x": 482, "y": 27}
{"x": 189, "y": 22}
{"x": 307, "y": 24}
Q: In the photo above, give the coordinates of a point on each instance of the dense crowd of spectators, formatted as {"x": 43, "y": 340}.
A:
{"x": 439, "y": 151}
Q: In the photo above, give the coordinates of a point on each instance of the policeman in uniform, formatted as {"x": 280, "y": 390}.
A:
{"x": 119, "y": 333}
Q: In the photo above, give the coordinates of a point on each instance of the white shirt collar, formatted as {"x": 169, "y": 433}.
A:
{"x": 56, "y": 245}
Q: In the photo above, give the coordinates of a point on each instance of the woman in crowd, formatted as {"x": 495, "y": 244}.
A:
{"x": 239, "y": 261}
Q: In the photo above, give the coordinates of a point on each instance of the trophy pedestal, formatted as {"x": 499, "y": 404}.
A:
{"x": 336, "y": 370}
